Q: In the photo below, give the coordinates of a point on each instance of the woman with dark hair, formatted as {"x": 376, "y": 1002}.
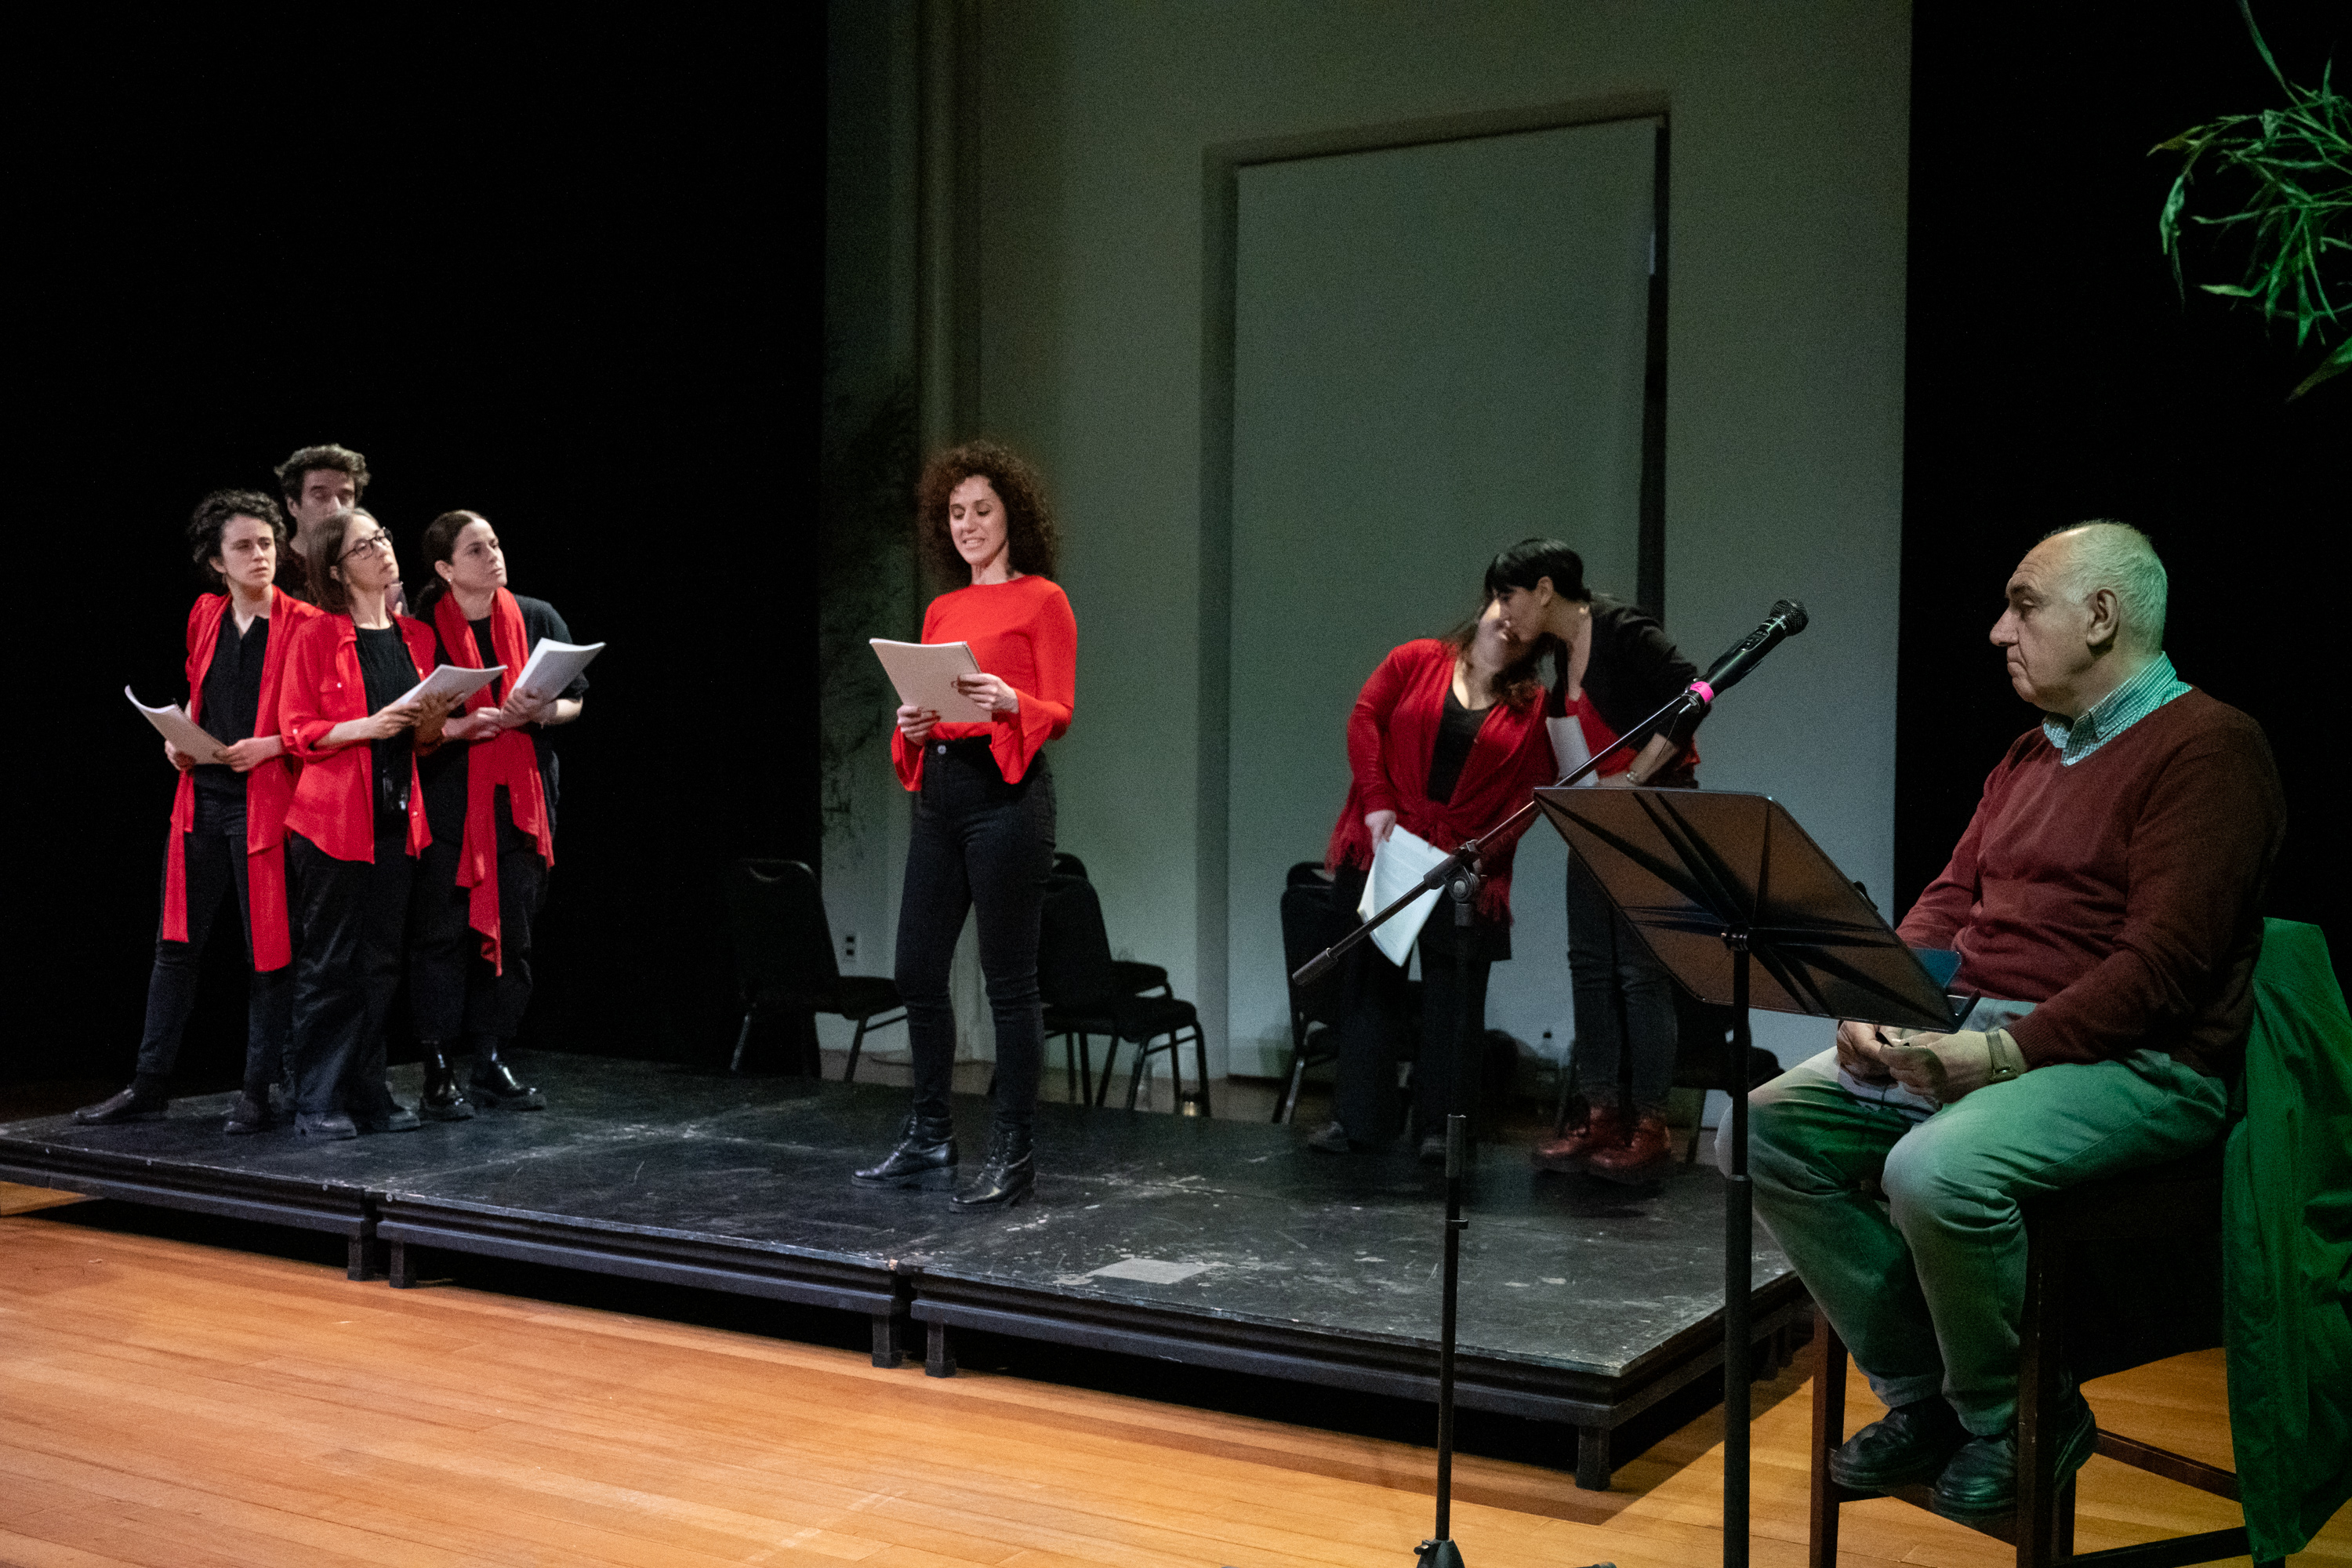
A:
{"x": 984, "y": 832}
{"x": 1618, "y": 669}
{"x": 356, "y": 821}
{"x": 1445, "y": 741}
{"x": 228, "y": 817}
{"x": 490, "y": 802}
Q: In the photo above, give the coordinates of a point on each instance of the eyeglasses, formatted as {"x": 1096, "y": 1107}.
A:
{"x": 366, "y": 543}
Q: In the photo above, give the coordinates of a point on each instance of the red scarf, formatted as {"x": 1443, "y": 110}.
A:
{"x": 509, "y": 758}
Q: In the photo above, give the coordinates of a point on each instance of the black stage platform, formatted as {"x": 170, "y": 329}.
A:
{"x": 1218, "y": 1244}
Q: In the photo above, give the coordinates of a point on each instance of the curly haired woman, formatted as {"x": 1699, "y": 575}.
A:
{"x": 984, "y": 833}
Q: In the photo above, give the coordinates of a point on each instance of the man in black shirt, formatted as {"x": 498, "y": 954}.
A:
{"x": 320, "y": 484}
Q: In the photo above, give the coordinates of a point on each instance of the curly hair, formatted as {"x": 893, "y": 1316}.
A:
{"x": 1035, "y": 543}
{"x": 211, "y": 520}
{"x": 342, "y": 459}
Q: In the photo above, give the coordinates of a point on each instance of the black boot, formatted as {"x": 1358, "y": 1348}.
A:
{"x": 925, "y": 1157}
{"x": 251, "y": 1113}
{"x": 495, "y": 1083}
{"x": 1009, "y": 1175}
{"x": 145, "y": 1101}
{"x": 442, "y": 1100}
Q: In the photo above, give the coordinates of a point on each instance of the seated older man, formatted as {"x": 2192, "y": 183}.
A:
{"x": 2109, "y": 887}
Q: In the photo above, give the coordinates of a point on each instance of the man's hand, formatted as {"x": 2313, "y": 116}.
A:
{"x": 1380, "y": 825}
{"x": 1854, "y": 1055}
{"x": 1942, "y": 1067}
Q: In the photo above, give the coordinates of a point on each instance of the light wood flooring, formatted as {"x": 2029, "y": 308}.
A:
{"x": 165, "y": 1401}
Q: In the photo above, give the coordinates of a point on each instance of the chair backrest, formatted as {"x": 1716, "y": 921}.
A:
{"x": 1073, "y": 959}
{"x": 1311, "y": 921}
{"x": 1308, "y": 873}
{"x": 784, "y": 943}
{"x": 1068, "y": 865}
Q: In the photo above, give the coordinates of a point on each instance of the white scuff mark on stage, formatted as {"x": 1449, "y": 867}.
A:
{"x": 1149, "y": 1271}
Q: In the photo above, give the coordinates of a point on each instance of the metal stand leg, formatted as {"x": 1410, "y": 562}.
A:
{"x": 1829, "y": 1431}
{"x": 939, "y": 1359}
{"x": 742, "y": 1038}
{"x": 1738, "y": 1249}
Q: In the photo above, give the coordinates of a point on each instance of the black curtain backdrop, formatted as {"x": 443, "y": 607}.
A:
{"x": 567, "y": 276}
{"x": 2055, "y": 374}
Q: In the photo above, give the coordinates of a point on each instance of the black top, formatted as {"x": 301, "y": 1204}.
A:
{"x": 444, "y": 772}
{"x": 387, "y": 671}
{"x": 1632, "y": 671}
{"x": 1455, "y": 731}
{"x": 232, "y": 703}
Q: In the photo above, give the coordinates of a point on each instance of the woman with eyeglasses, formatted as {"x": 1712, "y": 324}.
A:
{"x": 489, "y": 804}
{"x": 356, "y": 823}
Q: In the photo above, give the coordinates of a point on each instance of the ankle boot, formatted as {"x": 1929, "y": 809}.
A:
{"x": 1603, "y": 1128}
{"x": 925, "y": 1157}
{"x": 1008, "y": 1174}
{"x": 495, "y": 1083}
{"x": 442, "y": 1100}
{"x": 1644, "y": 1157}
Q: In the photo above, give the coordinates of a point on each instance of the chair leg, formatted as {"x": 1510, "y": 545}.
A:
{"x": 1201, "y": 1060}
{"x": 1110, "y": 1061}
{"x": 1829, "y": 1431}
{"x": 1085, "y": 1070}
{"x": 857, "y": 1044}
{"x": 742, "y": 1038}
{"x": 2042, "y": 1353}
{"x": 1135, "y": 1083}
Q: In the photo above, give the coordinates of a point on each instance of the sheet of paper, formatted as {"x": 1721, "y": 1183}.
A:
{"x": 552, "y": 666}
{"x": 1403, "y": 859}
{"x": 453, "y": 679}
{"x": 925, "y": 672}
{"x": 175, "y": 725}
{"x": 1569, "y": 751}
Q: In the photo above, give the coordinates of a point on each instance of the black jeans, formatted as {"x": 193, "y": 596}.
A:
{"x": 215, "y": 863}
{"x": 1375, "y": 1030}
{"x": 452, "y": 990}
{"x": 979, "y": 843}
{"x": 348, "y": 916}
{"x": 1624, "y": 1002}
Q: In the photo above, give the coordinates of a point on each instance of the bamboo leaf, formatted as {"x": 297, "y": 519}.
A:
{"x": 2334, "y": 365}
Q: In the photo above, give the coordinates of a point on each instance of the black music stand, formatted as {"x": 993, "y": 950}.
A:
{"x": 1719, "y": 884}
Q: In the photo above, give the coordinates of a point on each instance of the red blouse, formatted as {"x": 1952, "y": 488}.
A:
{"x": 1023, "y": 633}
{"x": 334, "y": 804}
{"x": 1391, "y": 736}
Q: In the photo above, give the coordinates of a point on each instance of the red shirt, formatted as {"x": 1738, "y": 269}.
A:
{"x": 2123, "y": 894}
{"x": 1023, "y": 633}
{"x": 1391, "y": 734}
{"x": 334, "y": 804}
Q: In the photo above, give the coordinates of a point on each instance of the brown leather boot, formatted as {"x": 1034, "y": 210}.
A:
{"x": 1603, "y": 1129}
{"x": 1642, "y": 1157}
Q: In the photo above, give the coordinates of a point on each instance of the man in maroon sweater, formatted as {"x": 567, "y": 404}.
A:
{"x": 2109, "y": 892}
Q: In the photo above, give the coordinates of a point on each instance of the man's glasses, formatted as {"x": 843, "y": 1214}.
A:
{"x": 366, "y": 543}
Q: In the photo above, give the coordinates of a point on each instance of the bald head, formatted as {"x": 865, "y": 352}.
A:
{"x": 2117, "y": 557}
{"x": 2086, "y": 613}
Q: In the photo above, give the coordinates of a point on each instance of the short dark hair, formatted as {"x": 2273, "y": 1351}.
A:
{"x": 440, "y": 545}
{"x": 1528, "y": 561}
{"x": 342, "y": 459}
{"x": 1035, "y": 543}
{"x": 211, "y": 520}
{"x": 321, "y": 553}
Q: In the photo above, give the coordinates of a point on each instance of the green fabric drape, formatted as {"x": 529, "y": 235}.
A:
{"x": 2288, "y": 1240}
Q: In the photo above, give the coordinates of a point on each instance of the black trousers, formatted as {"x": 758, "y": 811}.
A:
{"x": 1376, "y": 1028}
{"x": 215, "y": 865}
{"x": 348, "y": 916}
{"x": 1626, "y": 1028}
{"x": 452, "y": 989}
{"x": 979, "y": 844}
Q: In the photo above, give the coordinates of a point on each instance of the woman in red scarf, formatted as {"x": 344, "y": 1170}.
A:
{"x": 1446, "y": 741}
{"x": 228, "y": 816}
{"x": 356, "y": 823}
{"x": 490, "y": 800}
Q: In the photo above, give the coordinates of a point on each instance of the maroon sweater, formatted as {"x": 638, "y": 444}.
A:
{"x": 2123, "y": 895}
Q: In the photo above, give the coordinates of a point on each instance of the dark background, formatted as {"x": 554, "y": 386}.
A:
{"x": 571, "y": 279}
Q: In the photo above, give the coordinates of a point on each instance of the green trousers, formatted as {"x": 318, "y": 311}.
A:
{"x": 1927, "y": 1286}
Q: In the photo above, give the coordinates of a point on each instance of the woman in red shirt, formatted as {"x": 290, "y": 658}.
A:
{"x": 228, "y": 816}
{"x": 1446, "y": 741}
{"x": 355, "y": 825}
{"x": 984, "y": 832}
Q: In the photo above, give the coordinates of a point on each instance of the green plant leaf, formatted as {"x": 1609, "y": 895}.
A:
{"x": 2334, "y": 365}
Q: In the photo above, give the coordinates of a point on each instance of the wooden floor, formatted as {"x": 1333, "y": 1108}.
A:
{"x": 174, "y": 1404}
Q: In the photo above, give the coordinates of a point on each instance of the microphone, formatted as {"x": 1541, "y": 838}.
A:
{"x": 1787, "y": 618}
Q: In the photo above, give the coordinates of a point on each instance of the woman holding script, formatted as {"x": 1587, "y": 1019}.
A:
{"x": 489, "y": 805}
{"x": 228, "y": 816}
{"x": 356, "y": 821}
{"x": 984, "y": 832}
{"x": 1446, "y": 741}
{"x": 1619, "y": 669}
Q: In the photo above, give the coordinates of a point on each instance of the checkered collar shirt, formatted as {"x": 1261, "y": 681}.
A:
{"x": 2125, "y": 705}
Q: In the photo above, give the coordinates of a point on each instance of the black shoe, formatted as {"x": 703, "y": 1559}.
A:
{"x": 442, "y": 1100}
{"x": 390, "y": 1117}
{"x": 1331, "y": 1139}
{"x": 925, "y": 1157}
{"x": 130, "y": 1105}
{"x": 330, "y": 1124}
{"x": 250, "y": 1115}
{"x": 1009, "y": 1175}
{"x": 1981, "y": 1480}
{"x": 1912, "y": 1443}
{"x": 496, "y": 1085}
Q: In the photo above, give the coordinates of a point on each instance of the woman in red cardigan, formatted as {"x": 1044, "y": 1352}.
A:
{"x": 1446, "y": 741}
{"x": 984, "y": 833}
{"x": 356, "y": 823}
{"x": 228, "y": 817}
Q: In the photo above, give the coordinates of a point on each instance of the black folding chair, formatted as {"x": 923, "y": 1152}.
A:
{"x": 1137, "y": 978}
{"x": 1084, "y": 998}
{"x": 785, "y": 960}
{"x": 1311, "y": 921}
